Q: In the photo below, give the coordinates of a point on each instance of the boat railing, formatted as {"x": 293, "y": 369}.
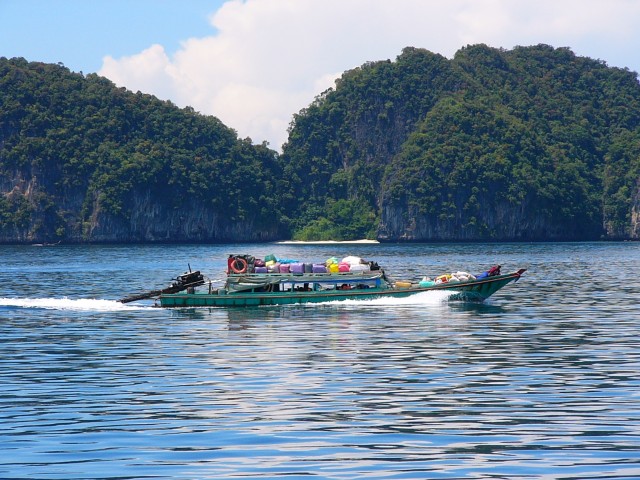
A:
{"x": 371, "y": 273}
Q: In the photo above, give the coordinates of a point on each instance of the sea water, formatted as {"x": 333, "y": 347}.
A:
{"x": 541, "y": 381}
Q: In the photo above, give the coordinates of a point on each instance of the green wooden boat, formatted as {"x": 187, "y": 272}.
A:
{"x": 256, "y": 289}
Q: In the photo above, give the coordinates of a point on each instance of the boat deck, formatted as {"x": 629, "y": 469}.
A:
{"x": 473, "y": 290}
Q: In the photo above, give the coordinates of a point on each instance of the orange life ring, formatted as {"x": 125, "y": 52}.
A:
{"x": 238, "y": 269}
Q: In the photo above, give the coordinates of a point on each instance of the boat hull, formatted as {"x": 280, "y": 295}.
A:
{"x": 474, "y": 290}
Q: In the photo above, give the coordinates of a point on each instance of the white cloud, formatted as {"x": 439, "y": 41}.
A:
{"x": 150, "y": 71}
{"x": 269, "y": 58}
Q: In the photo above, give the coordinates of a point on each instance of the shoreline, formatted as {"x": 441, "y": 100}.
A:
{"x": 326, "y": 242}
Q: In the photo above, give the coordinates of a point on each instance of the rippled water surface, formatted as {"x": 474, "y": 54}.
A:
{"x": 542, "y": 381}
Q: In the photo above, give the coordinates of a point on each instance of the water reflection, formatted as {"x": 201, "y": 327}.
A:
{"x": 541, "y": 382}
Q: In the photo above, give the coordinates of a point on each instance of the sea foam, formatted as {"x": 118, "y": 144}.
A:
{"x": 64, "y": 303}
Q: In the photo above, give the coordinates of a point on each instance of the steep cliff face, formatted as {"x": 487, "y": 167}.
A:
{"x": 535, "y": 143}
{"x": 152, "y": 220}
{"x": 339, "y": 147}
{"x": 501, "y": 223}
{"x": 148, "y": 219}
{"x": 80, "y": 217}
{"x": 527, "y": 160}
{"x": 635, "y": 213}
{"x": 84, "y": 161}
{"x": 30, "y": 212}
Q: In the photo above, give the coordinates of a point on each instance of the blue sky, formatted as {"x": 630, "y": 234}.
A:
{"x": 79, "y": 33}
{"x": 255, "y": 63}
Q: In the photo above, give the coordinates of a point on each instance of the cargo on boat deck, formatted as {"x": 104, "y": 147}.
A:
{"x": 254, "y": 281}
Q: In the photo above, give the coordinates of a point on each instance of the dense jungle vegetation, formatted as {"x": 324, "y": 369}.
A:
{"x": 73, "y": 147}
{"x": 533, "y": 143}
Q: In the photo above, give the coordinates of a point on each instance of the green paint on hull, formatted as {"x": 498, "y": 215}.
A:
{"x": 475, "y": 290}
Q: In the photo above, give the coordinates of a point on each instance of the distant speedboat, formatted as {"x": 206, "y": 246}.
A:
{"x": 295, "y": 283}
